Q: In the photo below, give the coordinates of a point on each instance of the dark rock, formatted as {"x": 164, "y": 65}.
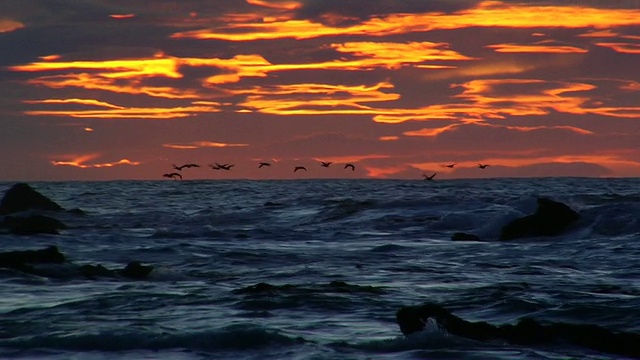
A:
{"x": 263, "y": 288}
{"x": 527, "y": 331}
{"x": 21, "y": 260}
{"x": 135, "y": 270}
{"x": 21, "y": 197}
{"x": 551, "y": 218}
{"x": 460, "y": 236}
{"x": 30, "y": 225}
{"x": 95, "y": 271}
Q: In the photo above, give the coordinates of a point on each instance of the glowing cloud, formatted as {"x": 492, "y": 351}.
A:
{"x": 540, "y": 47}
{"x": 80, "y": 161}
{"x": 122, "y": 16}
{"x": 110, "y": 111}
{"x": 281, "y": 5}
{"x": 486, "y": 14}
{"x": 621, "y": 47}
{"x": 202, "y": 144}
{"x": 8, "y": 25}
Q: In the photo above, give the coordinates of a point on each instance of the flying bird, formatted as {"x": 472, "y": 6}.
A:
{"x": 482, "y": 166}
{"x": 429, "y": 178}
{"x": 173, "y": 176}
{"x": 353, "y": 168}
{"x": 264, "y": 164}
{"x": 179, "y": 168}
{"x": 325, "y": 163}
{"x": 450, "y": 165}
{"x": 299, "y": 168}
{"x": 221, "y": 166}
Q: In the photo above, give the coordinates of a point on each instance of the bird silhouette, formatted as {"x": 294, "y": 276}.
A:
{"x": 450, "y": 165}
{"x": 299, "y": 168}
{"x": 221, "y": 166}
{"x": 179, "y": 168}
{"x": 264, "y": 164}
{"x": 482, "y": 166}
{"x": 429, "y": 178}
{"x": 325, "y": 163}
{"x": 173, "y": 176}
{"x": 353, "y": 168}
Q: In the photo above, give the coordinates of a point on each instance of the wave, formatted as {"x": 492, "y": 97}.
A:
{"x": 237, "y": 336}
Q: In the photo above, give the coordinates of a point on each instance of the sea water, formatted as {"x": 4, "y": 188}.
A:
{"x": 341, "y": 256}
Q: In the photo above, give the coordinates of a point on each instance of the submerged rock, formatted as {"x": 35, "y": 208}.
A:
{"x": 527, "y": 331}
{"x": 460, "y": 236}
{"x": 551, "y": 218}
{"x": 22, "y": 260}
{"x": 31, "y": 225}
{"x": 21, "y": 197}
{"x": 135, "y": 270}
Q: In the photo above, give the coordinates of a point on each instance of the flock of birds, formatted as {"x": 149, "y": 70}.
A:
{"x": 227, "y": 167}
{"x": 217, "y": 166}
{"x": 450, "y": 166}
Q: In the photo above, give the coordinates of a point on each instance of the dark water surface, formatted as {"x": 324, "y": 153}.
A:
{"x": 343, "y": 257}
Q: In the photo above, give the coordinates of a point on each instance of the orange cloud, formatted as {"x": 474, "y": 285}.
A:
{"x": 621, "y": 47}
{"x": 383, "y": 172}
{"x": 122, "y": 16}
{"x": 604, "y": 33}
{"x": 281, "y": 5}
{"x": 431, "y": 132}
{"x": 49, "y": 57}
{"x": 110, "y": 111}
{"x": 540, "y": 47}
{"x": 486, "y": 14}
{"x": 389, "y": 138}
{"x": 80, "y": 161}
{"x": 202, "y": 144}
{"x": 8, "y": 25}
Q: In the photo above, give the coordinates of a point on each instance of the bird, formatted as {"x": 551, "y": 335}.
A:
{"x": 299, "y": 168}
{"x": 174, "y": 176}
{"x": 221, "y": 166}
{"x": 264, "y": 164}
{"x": 353, "y": 168}
{"x": 482, "y": 166}
{"x": 429, "y": 178}
{"x": 325, "y": 163}
{"x": 179, "y": 168}
{"x": 450, "y": 165}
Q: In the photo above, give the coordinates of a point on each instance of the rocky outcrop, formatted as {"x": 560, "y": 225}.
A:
{"x": 22, "y": 197}
{"x": 527, "y": 331}
{"x": 27, "y": 261}
{"x": 23, "y": 258}
{"x": 551, "y": 218}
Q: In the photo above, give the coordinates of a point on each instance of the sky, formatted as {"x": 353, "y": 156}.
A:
{"x": 120, "y": 89}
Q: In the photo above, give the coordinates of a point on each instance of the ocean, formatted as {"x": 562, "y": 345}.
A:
{"x": 317, "y": 269}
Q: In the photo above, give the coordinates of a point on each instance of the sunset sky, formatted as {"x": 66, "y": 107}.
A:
{"x": 120, "y": 89}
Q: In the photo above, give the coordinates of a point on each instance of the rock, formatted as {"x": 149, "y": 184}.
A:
{"x": 21, "y": 197}
{"x": 21, "y": 260}
{"x": 95, "y": 271}
{"x": 551, "y": 218}
{"x": 527, "y": 331}
{"x": 30, "y": 225}
{"x": 460, "y": 236}
{"x": 135, "y": 270}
